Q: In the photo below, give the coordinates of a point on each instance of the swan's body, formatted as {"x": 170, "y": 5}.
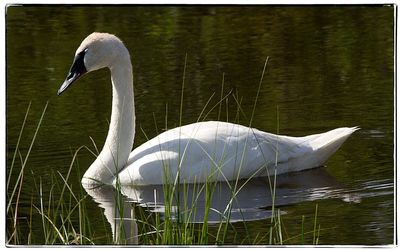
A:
{"x": 198, "y": 152}
{"x": 226, "y": 151}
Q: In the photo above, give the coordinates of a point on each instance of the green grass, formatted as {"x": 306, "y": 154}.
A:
{"x": 58, "y": 209}
{"x": 64, "y": 217}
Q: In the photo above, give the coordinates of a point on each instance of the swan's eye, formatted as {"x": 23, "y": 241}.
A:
{"x": 82, "y": 53}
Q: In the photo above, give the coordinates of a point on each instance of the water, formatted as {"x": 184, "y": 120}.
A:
{"x": 329, "y": 67}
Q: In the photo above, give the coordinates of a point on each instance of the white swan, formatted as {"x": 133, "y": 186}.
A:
{"x": 198, "y": 152}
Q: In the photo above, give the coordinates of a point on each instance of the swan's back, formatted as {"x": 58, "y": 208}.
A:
{"x": 224, "y": 151}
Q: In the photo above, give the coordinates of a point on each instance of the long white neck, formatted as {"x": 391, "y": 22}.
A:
{"x": 121, "y": 133}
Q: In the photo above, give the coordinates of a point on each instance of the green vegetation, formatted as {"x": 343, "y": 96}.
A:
{"x": 65, "y": 218}
{"x": 58, "y": 209}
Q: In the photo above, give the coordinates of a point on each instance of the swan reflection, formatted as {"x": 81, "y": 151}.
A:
{"x": 119, "y": 213}
{"x": 251, "y": 201}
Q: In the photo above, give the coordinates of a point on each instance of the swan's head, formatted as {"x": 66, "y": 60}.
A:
{"x": 98, "y": 50}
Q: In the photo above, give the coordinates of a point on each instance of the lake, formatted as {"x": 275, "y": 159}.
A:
{"x": 328, "y": 67}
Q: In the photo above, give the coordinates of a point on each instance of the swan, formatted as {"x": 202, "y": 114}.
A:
{"x": 198, "y": 152}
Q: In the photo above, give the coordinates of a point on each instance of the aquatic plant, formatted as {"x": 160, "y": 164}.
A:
{"x": 65, "y": 218}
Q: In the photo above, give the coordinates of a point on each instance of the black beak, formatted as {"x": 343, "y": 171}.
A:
{"x": 77, "y": 70}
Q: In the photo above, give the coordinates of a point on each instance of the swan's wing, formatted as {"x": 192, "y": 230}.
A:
{"x": 277, "y": 149}
{"x": 209, "y": 148}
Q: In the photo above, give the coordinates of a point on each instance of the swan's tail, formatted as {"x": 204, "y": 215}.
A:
{"x": 326, "y": 144}
{"x": 332, "y": 139}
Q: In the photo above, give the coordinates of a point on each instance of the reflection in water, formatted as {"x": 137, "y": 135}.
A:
{"x": 252, "y": 201}
{"x": 118, "y": 212}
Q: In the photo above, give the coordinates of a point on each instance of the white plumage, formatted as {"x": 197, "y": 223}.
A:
{"x": 198, "y": 152}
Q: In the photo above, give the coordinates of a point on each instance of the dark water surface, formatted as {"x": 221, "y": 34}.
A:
{"x": 329, "y": 67}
